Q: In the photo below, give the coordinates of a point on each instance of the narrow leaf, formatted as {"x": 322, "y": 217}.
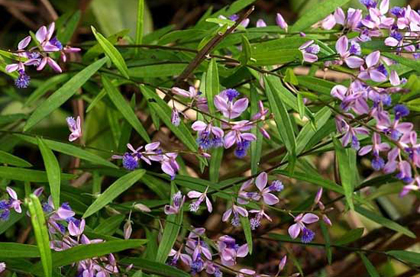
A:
{"x": 160, "y": 269}
{"x": 124, "y": 108}
{"x": 408, "y": 256}
{"x": 28, "y": 175}
{"x": 140, "y": 24}
{"x": 53, "y": 171}
{"x": 41, "y": 233}
{"x": 18, "y": 250}
{"x": 369, "y": 266}
{"x": 112, "y": 52}
{"x": 118, "y": 187}
{"x": 7, "y": 158}
{"x": 63, "y": 94}
{"x": 246, "y": 226}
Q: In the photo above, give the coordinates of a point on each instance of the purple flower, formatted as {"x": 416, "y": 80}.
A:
{"x": 354, "y": 16}
{"x": 14, "y": 202}
{"x": 259, "y": 215}
{"x": 192, "y": 94}
{"x": 265, "y": 193}
{"x": 2, "y": 267}
{"x": 401, "y": 111}
{"x": 261, "y": 23}
{"x": 342, "y": 47}
{"x": 75, "y": 128}
{"x": 44, "y": 37}
{"x": 208, "y": 135}
{"x": 229, "y": 250}
{"x": 369, "y": 3}
{"x": 76, "y": 228}
{"x": 128, "y": 229}
{"x": 242, "y": 140}
{"x": 224, "y": 102}
{"x": 176, "y": 255}
{"x": 282, "y": 263}
{"x": 235, "y": 211}
{"x": 22, "y": 80}
{"x": 262, "y": 112}
{"x": 175, "y": 119}
{"x": 281, "y": 22}
{"x": 309, "y": 51}
{"x": 414, "y": 185}
{"x": 201, "y": 196}
{"x": 373, "y": 70}
{"x": 409, "y": 142}
{"x": 177, "y": 203}
{"x": 276, "y": 186}
{"x": 300, "y": 221}
{"x": 169, "y": 164}
{"x": 377, "y": 163}
{"x": 350, "y": 133}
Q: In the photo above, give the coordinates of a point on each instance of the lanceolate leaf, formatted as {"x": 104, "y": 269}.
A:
{"x": 7, "y": 158}
{"x": 63, "y": 94}
{"x": 41, "y": 233}
{"x": 347, "y": 170}
{"x": 112, "y": 52}
{"x": 384, "y": 222}
{"x": 124, "y": 108}
{"x": 28, "y": 175}
{"x": 312, "y": 16}
{"x": 408, "y": 256}
{"x": 118, "y": 187}
{"x": 82, "y": 252}
{"x": 53, "y": 171}
{"x": 160, "y": 269}
{"x": 369, "y": 266}
{"x": 70, "y": 150}
{"x": 18, "y": 250}
{"x": 140, "y": 23}
{"x": 282, "y": 119}
{"x": 248, "y": 233}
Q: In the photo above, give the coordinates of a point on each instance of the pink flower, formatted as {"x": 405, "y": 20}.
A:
{"x": 224, "y": 102}
{"x": 236, "y": 211}
{"x": 281, "y": 22}
{"x": 261, "y": 23}
{"x": 265, "y": 192}
{"x": 77, "y": 228}
{"x": 300, "y": 221}
{"x": 14, "y": 202}
{"x": 201, "y": 196}
{"x": 176, "y": 255}
{"x": 342, "y": 47}
{"x": 177, "y": 203}
{"x": 229, "y": 250}
{"x": 373, "y": 71}
{"x": 309, "y": 51}
{"x": 75, "y": 128}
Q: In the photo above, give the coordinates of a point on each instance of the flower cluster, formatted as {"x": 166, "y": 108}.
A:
{"x": 151, "y": 152}
{"x": 237, "y": 132}
{"x": 39, "y": 55}
{"x": 365, "y": 99}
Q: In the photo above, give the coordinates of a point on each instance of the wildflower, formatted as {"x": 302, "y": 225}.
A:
{"x": 262, "y": 112}
{"x": 414, "y": 185}
{"x": 76, "y": 227}
{"x": 261, "y": 23}
{"x": 175, "y": 119}
{"x": 209, "y": 136}
{"x": 213, "y": 269}
{"x": 229, "y": 250}
{"x": 176, "y": 255}
{"x": 141, "y": 207}
{"x": 177, "y": 203}
{"x": 235, "y": 211}
{"x": 242, "y": 140}
{"x": 282, "y": 263}
{"x": 201, "y": 196}
{"x": 281, "y": 22}
{"x": 377, "y": 162}
{"x": 23, "y": 80}
{"x": 224, "y": 102}
{"x": 14, "y": 202}
{"x": 265, "y": 193}
{"x": 128, "y": 229}
{"x": 300, "y": 221}
{"x": 374, "y": 70}
{"x": 192, "y": 94}
{"x": 342, "y": 47}
{"x": 309, "y": 51}
{"x": 75, "y": 128}
{"x": 256, "y": 221}
{"x": 169, "y": 165}
{"x": 2, "y": 267}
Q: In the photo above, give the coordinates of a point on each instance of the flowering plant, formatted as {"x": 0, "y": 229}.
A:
{"x": 221, "y": 149}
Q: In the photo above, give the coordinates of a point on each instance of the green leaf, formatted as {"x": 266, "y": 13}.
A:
{"x": 246, "y": 53}
{"x": 312, "y": 16}
{"x": 83, "y": 252}
{"x": 7, "y": 158}
{"x": 118, "y": 187}
{"x": 28, "y": 175}
{"x": 279, "y": 56}
{"x": 384, "y": 222}
{"x": 369, "y": 266}
{"x": 160, "y": 269}
{"x": 246, "y": 226}
{"x": 347, "y": 170}
{"x": 63, "y": 93}
{"x": 282, "y": 119}
{"x": 407, "y": 256}
{"x": 256, "y": 145}
{"x": 18, "y": 250}
{"x": 70, "y": 150}
{"x": 157, "y": 70}
{"x": 46, "y": 86}
{"x": 41, "y": 233}
{"x": 170, "y": 232}
{"x": 109, "y": 225}
{"x": 53, "y": 171}
{"x": 290, "y": 77}
{"x": 68, "y": 27}
{"x": 413, "y": 64}
{"x": 140, "y": 23}
{"x": 350, "y": 236}
{"x": 327, "y": 239}
{"x": 124, "y": 108}
{"x": 112, "y": 52}
{"x": 164, "y": 112}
